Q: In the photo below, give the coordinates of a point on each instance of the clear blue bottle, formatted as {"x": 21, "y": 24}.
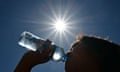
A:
{"x": 33, "y": 42}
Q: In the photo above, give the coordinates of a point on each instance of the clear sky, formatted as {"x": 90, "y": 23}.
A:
{"x": 92, "y": 17}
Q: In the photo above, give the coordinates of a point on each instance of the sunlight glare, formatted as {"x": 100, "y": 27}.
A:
{"x": 56, "y": 56}
{"x": 60, "y": 25}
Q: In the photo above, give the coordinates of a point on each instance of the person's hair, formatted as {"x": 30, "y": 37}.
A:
{"x": 107, "y": 52}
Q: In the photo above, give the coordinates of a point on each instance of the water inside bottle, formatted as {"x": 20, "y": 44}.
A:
{"x": 28, "y": 40}
{"x": 32, "y": 42}
{"x": 59, "y": 54}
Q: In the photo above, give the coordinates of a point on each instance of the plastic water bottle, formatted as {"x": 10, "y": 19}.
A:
{"x": 34, "y": 43}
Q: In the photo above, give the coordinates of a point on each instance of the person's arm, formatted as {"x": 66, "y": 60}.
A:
{"x": 23, "y": 66}
{"x": 31, "y": 59}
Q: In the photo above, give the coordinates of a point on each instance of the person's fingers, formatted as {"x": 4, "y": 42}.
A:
{"x": 37, "y": 57}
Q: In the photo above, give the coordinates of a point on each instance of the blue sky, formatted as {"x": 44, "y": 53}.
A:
{"x": 92, "y": 17}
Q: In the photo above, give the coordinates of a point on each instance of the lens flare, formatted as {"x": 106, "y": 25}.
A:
{"x": 60, "y": 25}
{"x": 58, "y": 21}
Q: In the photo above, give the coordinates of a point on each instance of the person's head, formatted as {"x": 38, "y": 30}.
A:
{"x": 93, "y": 54}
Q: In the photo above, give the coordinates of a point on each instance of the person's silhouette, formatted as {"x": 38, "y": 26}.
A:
{"x": 87, "y": 54}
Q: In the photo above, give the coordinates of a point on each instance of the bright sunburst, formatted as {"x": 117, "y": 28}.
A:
{"x": 59, "y": 22}
{"x": 60, "y": 25}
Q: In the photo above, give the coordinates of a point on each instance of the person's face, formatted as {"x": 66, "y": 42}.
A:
{"x": 80, "y": 60}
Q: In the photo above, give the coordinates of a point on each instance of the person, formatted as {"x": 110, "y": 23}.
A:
{"x": 87, "y": 54}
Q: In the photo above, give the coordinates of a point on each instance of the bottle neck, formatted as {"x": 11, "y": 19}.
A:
{"x": 59, "y": 54}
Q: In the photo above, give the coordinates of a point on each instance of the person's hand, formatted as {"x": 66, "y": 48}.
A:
{"x": 31, "y": 59}
{"x": 34, "y": 58}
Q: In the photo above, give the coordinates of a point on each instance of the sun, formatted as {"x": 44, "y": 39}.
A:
{"x": 60, "y": 25}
